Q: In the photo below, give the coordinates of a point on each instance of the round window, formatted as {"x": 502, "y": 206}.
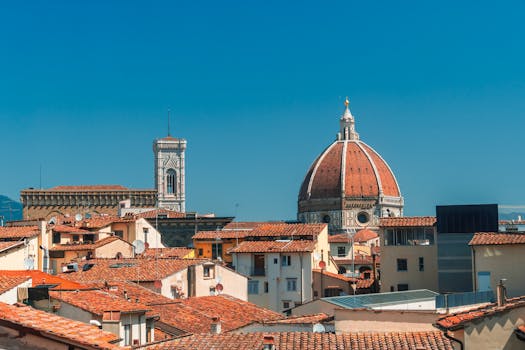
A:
{"x": 363, "y": 217}
{"x": 326, "y": 219}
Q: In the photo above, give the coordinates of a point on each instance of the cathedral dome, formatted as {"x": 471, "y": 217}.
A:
{"x": 349, "y": 174}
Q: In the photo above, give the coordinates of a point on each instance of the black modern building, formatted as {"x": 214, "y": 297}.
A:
{"x": 456, "y": 225}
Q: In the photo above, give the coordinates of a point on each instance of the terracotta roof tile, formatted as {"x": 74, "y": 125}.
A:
{"x": 457, "y": 320}
{"x": 304, "y": 319}
{"x": 19, "y": 231}
{"x": 365, "y": 235}
{"x": 54, "y": 326}
{"x": 274, "y": 246}
{"x": 88, "y": 246}
{"x": 9, "y": 282}
{"x": 339, "y": 238}
{"x": 5, "y": 246}
{"x": 361, "y": 282}
{"x": 407, "y": 221}
{"x": 97, "y": 302}
{"x": 228, "y": 234}
{"x": 287, "y": 230}
{"x": 143, "y": 270}
{"x": 151, "y": 214}
{"x": 495, "y": 238}
{"x": 243, "y": 225}
{"x": 311, "y": 341}
{"x": 39, "y": 278}
{"x": 170, "y": 252}
{"x": 359, "y": 260}
{"x": 69, "y": 229}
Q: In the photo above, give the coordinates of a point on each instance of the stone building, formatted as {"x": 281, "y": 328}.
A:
{"x": 170, "y": 172}
{"x": 349, "y": 186}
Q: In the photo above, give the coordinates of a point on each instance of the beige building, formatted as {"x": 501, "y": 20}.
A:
{"x": 497, "y": 256}
{"x": 19, "y": 245}
{"x": 408, "y": 253}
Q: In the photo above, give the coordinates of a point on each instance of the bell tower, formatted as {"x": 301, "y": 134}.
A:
{"x": 170, "y": 172}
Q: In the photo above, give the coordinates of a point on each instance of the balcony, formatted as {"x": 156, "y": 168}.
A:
{"x": 258, "y": 271}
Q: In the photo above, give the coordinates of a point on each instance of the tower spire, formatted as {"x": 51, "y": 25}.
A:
{"x": 347, "y": 124}
{"x": 169, "y": 134}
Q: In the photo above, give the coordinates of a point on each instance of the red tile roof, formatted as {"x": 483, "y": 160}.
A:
{"x": 88, "y": 246}
{"x": 361, "y": 283}
{"x": 90, "y": 188}
{"x": 39, "y": 278}
{"x": 359, "y": 260}
{"x": 94, "y": 222}
{"x": 194, "y": 315}
{"x": 287, "y": 230}
{"x": 170, "y": 252}
{"x": 365, "y": 235}
{"x": 143, "y": 270}
{"x": 243, "y": 225}
{"x": 494, "y": 238}
{"x": 98, "y": 302}
{"x": 407, "y": 221}
{"x": 304, "y": 319}
{"x": 311, "y": 341}
{"x": 9, "y": 282}
{"x": 69, "y": 229}
{"x": 274, "y": 246}
{"x": 5, "y": 246}
{"x": 19, "y": 231}
{"x": 458, "y": 320}
{"x": 228, "y": 234}
{"x": 152, "y": 214}
{"x": 52, "y": 326}
{"x": 339, "y": 238}
{"x": 135, "y": 291}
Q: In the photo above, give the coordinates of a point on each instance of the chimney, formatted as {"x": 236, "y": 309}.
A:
{"x": 216, "y": 325}
{"x": 501, "y": 292}
{"x": 268, "y": 342}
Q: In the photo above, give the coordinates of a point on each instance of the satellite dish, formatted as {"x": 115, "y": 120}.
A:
{"x": 322, "y": 264}
{"x": 317, "y": 256}
{"x": 78, "y": 217}
{"x": 139, "y": 246}
{"x": 219, "y": 287}
{"x": 29, "y": 263}
{"x": 52, "y": 221}
{"x": 146, "y": 245}
{"x": 319, "y": 328}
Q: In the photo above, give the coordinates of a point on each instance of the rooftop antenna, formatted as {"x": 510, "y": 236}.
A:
{"x": 40, "y": 176}
{"x": 169, "y": 134}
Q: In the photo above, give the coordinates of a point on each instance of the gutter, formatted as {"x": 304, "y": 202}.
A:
{"x": 448, "y": 336}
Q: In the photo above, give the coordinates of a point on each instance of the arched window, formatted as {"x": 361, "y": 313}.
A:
{"x": 171, "y": 181}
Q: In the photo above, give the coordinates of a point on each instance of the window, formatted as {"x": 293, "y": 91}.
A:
{"x": 266, "y": 287}
{"x": 421, "y": 263}
{"x": 208, "y": 271}
{"x": 119, "y": 233}
{"x": 127, "y": 334}
{"x": 171, "y": 181}
{"x": 89, "y": 238}
{"x": 286, "y": 304}
{"x": 401, "y": 287}
{"x": 253, "y": 287}
{"x": 145, "y": 230}
{"x": 410, "y": 236}
{"x": 76, "y": 238}
{"x": 291, "y": 284}
{"x": 275, "y": 260}
{"x": 402, "y": 265}
{"x": 200, "y": 252}
{"x": 56, "y": 237}
{"x": 332, "y": 292}
{"x": 363, "y": 217}
{"x": 286, "y": 260}
{"x": 216, "y": 250}
{"x": 341, "y": 251}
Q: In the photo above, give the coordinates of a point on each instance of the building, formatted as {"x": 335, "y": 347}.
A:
{"x": 329, "y": 284}
{"x": 9, "y": 288}
{"x": 456, "y": 225}
{"x": 170, "y": 178}
{"x": 496, "y": 257}
{"x": 19, "y": 245}
{"x": 25, "y": 328}
{"x": 279, "y": 259}
{"x": 355, "y": 254}
{"x": 309, "y": 341}
{"x": 494, "y": 326}
{"x": 349, "y": 186}
{"x": 73, "y": 200}
{"x": 408, "y": 253}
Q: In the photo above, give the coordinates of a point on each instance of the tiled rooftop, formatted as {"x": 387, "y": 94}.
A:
{"x": 457, "y": 320}
{"x": 88, "y": 246}
{"x": 287, "y": 230}
{"x": 144, "y": 270}
{"x": 361, "y": 283}
{"x": 165, "y": 213}
{"x": 311, "y": 341}
{"x": 243, "y": 225}
{"x": 170, "y": 252}
{"x": 495, "y": 238}
{"x": 9, "y": 282}
{"x": 135, "y": 291}
{"x": 359, "y": 260}
{"x": 228, "y": 234}
{"x": 53, "y": 326}
{"x": 407, "y": 221}
{"x": 4, "y": 246}
{"x": 365, "y": 235}
{"x": 97, "y": 302}
{"x": 274, "y": 246}
{"x": 19, "y": 231}
{"x": 69, "y": 229}
{"x": 39, "y": 278}
{"x": 305, "y": 319}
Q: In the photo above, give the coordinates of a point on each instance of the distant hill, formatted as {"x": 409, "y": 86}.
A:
{"x": 10, "y": 209}
{"x": 511, "y": 216}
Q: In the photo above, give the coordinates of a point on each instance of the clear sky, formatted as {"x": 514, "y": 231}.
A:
{"x": 256, "y": 88}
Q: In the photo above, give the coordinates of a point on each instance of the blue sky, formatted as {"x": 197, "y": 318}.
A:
{"x": 256, "y": 88}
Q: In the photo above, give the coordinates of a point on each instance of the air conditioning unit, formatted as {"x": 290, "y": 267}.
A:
{"x": 72, "y": 267}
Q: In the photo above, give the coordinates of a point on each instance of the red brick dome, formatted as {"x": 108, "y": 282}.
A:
{"x": 349, "y": 168}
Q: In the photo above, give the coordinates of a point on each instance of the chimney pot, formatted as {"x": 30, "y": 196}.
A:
{"x": 268, "y": 342}
{"x": 215, "y": 325}
{"x": 501, "y": 292}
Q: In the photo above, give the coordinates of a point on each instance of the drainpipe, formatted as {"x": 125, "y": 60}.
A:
{"x": 301, "y": 290}
{"x": 449, "y": 337}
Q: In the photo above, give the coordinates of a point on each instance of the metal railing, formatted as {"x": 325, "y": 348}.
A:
{"x": 258, "y": 271}
{"x": 466, "y": 298}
